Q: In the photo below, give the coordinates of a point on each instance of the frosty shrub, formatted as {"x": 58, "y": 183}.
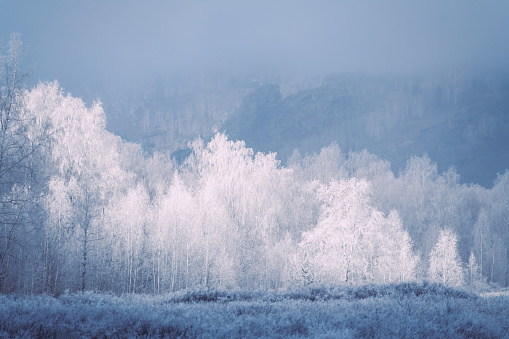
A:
{"x": 406, "y": 310}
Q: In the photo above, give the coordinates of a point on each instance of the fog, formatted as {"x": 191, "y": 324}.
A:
{"x": 90, "y": 46}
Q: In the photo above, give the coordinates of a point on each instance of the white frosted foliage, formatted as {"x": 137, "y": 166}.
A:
{"x": 444, "y": 262}
{"x": 353, "y": 242}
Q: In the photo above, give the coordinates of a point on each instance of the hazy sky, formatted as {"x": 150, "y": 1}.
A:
{"x": 95, "y": 44}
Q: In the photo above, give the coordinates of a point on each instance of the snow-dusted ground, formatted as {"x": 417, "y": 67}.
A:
{"x": 406, "y": 310}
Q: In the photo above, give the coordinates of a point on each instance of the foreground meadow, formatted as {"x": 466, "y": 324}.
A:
{"x": 412, "y": 310}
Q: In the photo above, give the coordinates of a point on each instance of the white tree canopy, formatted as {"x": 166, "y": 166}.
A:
{"x": 353, "y": 242}
{"x": 444, "y": 262}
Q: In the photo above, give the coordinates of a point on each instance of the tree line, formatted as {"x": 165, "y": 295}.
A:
{"x": 81, "y": 209}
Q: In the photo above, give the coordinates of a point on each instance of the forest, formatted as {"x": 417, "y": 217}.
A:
{"x": 83, "y": 210}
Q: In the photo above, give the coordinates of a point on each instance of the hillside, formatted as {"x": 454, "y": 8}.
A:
{"x": 459, "y": 120}
{"x": 164, "y": 114}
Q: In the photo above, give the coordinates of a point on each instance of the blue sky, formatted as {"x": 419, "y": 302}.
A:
{"x": 93, "y": 45}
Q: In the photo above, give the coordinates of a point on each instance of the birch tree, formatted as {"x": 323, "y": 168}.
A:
{"x": 19, "y": 168}
{"x": 353, "y": 242}
{"x": 82, "y": 158}
{"x": 444, "y": 262}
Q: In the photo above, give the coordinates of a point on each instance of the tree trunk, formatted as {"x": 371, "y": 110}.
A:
{"x": 84, "y": 271}
{"x": 481, "y": 252}
{"x": 507, "y": 268}
{"x": 492, "y": 262}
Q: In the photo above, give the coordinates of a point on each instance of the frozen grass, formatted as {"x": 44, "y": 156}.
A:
{"x": 410, "y": 310}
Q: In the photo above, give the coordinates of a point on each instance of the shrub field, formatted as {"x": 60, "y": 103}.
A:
{"x": 410, "y": 310}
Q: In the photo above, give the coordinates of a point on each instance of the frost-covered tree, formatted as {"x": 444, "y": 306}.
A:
{"x": 353, "y": 242}
{"x": 82, "y": 209}
{"x": 483, "y": 242}
{"x": 247, "y": 206}
{"x": 444, "y": 262}
{"x": 474, "y": 278}
{"x": 83, "y": 172}
{"x": 413, "y": 199}
{"x": 20, "y": 170}
{"x": 395, "y": 259}
{"x": 126, "y": 228}
{"x": 500, "y": 217}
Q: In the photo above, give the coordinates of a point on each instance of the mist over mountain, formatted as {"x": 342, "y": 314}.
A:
{"x": 168, "y": 72}
{"x": 96, "y": 46}
{"x": 458, "y": 119}
{"x": 166, "y": 113}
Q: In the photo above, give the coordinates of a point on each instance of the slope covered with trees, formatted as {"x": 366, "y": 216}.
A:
{"x": 81, "y": 209}
{"x": 458, "y": 118}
